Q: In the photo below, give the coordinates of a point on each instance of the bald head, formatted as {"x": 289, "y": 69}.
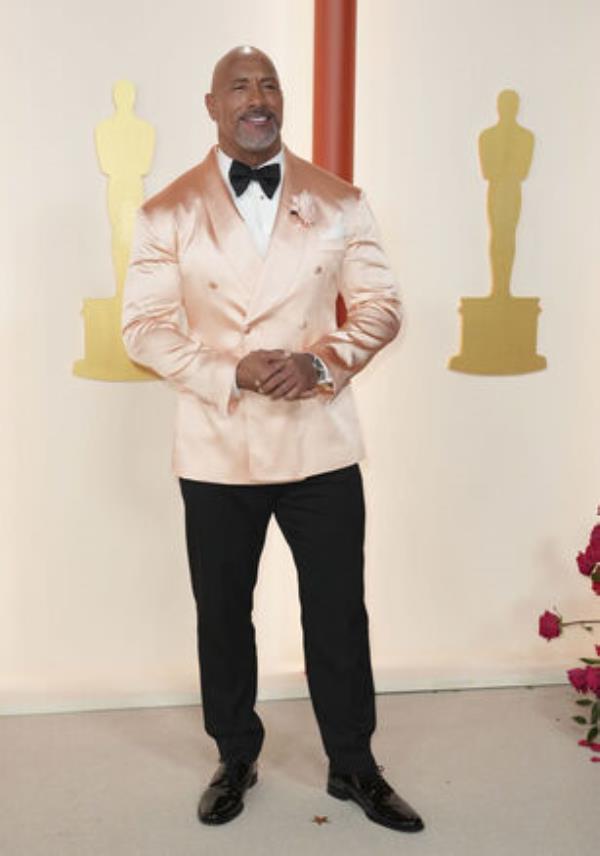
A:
{"x": 222, "y": 67}
{"x": 246, "y": 103}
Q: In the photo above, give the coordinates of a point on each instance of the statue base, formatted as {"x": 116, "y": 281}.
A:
{"x": 499, "y": 336}
{"x": 105, "y": 355}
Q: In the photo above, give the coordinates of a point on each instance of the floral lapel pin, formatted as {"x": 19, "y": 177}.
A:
{"x": 303, "y": 208}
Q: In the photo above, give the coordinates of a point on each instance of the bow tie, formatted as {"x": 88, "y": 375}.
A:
{"x": 240, "y": 176}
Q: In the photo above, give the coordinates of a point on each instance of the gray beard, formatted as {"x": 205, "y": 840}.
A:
{"x": 251, "y": 144}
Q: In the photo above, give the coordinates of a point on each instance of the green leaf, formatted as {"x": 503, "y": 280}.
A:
{"x": 580, "y": 719}
{"x": 592, "y": 734}
{"x": 584, "y": 702}
{"x": 595, "y": 713}
{"x": 591, "y": 661}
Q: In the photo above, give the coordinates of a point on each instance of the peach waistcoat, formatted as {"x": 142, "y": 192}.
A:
{"x": 198, "y": 297}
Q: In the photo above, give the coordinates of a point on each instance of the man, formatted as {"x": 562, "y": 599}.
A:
{"x": 231, "y": 296}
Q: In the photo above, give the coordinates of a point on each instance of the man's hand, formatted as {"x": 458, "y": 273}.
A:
{"x": 294, "y": 377}
{"x": 256, "y": 368}
{"x": 278, "y": 374}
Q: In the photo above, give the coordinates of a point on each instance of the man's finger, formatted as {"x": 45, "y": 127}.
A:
{"x": 267, "y": 370}
{"x": 271, "y": 378}
{"x": 284, "y": 387}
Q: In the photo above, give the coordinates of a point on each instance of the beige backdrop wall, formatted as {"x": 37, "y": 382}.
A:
{"x": 480, "y": 490}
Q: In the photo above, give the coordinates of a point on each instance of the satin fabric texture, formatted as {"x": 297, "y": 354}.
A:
{"x": 198, "y": 297}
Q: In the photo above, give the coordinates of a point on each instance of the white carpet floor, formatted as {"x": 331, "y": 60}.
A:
{"x": 493, "y": 773}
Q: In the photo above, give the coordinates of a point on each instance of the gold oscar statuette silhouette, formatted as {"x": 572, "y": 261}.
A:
{"x": 125, "y": 146}
{"x": 499, "y": 332}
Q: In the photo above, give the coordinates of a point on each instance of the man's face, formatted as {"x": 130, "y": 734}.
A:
{"x": 246, "y": 102}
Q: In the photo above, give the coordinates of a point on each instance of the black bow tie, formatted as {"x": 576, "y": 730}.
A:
{"x": 240, "y": 176}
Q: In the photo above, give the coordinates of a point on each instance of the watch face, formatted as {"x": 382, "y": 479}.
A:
{"x": 320, "y": 369}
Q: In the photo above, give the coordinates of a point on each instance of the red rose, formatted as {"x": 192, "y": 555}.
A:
{"x": 550, "y": 625}
{"x": 578, "y": 678}
{"x": 584, "y": 564}
{"x": 588, "y": 560}
{"x": 596, "y": 586}
{"x": 592, "y": 679}
{"x": 595, "y": 535}
{"x": 598, "y": 650}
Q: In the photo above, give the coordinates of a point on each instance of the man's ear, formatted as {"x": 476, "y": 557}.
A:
{"x": 209, "y": 101}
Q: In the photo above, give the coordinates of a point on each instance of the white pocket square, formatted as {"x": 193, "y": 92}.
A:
{"x": 335, "y": 231}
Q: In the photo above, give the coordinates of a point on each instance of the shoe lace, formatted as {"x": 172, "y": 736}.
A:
{"x": 375, "y": 785}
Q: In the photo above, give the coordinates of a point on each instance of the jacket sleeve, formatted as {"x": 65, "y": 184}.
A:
{"x": 154, "y": 324}
{"x": 372, "y": 301}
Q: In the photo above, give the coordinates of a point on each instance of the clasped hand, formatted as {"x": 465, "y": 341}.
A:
{"x": 277, "y": 374}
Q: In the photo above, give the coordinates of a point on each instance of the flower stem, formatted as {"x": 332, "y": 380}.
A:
{"x": 567, "y": 623}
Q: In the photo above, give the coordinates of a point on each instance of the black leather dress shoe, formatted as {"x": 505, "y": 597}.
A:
{"x": 223, "y": 799}
{"x": 379, "y": 801}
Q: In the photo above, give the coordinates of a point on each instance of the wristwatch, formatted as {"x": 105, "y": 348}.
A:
{"x": 320, "y": 368}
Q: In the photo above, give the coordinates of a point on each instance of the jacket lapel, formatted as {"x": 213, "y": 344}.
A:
{"x": 282, "y": 264}
{"x": 230, "y": 231}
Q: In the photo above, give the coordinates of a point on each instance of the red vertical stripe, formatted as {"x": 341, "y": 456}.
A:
{"x": 333, "y": 94}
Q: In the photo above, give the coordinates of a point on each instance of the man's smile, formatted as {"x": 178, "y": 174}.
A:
{"x": 257, "y": 119}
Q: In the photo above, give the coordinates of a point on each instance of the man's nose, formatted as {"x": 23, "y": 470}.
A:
{"x": 256, "y": 96}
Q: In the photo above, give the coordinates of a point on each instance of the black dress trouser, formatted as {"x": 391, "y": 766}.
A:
{"x": 322, "y": 520}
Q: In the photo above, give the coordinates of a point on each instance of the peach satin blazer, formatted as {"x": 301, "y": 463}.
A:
{"x": 198, "y": 297}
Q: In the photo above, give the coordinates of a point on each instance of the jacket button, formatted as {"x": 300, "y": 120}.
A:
{"x": 318, "y": 269}
{"x": 212, "y": 285}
